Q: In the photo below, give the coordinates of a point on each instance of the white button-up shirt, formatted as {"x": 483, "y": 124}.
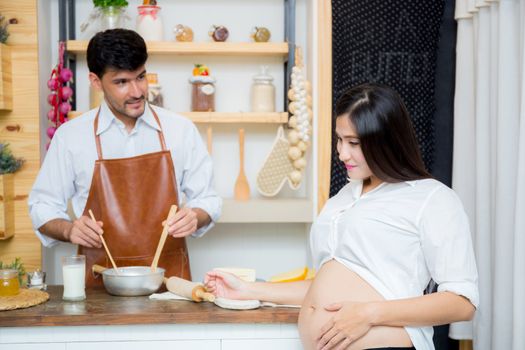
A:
{"x": 68, "y": 166}
{"x": 397, "y": 237}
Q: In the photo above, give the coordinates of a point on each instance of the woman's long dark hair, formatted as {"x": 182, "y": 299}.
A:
{"x": 385, "y": 131}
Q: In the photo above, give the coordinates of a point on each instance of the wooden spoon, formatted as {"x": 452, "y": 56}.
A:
{"x": 209, "y": 139}
{"x": 162, "y": 239}
{"x": 105, "y": 245}
{"x": 242, "y": 188}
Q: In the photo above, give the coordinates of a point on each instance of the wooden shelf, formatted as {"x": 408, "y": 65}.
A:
{"x": 237, "y": 117}
{"x": 267, "y": 210}
{"x": 6, "y": 85}
{"x": 224, "y": 117}
{"x": 207, "y": 48}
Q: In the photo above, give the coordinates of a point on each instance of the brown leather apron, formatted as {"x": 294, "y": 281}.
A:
{"x": 132, "y": 196}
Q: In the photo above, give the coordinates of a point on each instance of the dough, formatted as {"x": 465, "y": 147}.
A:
{"x": 237, "y": 304}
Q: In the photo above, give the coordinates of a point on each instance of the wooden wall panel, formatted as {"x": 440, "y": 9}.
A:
{"x": 20, "y": 126}
{"x": 324, "y": 103}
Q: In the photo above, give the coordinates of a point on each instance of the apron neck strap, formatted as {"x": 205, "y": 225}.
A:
{"x": 97, "y": 137}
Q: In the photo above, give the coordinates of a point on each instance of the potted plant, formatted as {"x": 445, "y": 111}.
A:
{"x": 108, "y": 14}
{"x": 8, "y": 165}
{"x": 4, "y": 34}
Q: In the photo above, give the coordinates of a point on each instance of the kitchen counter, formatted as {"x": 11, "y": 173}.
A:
{"x": 100, "y": 308}
{"x": 108, "y": 322}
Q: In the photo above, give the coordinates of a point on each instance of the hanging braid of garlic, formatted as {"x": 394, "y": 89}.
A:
{"x": 300, "y": 107}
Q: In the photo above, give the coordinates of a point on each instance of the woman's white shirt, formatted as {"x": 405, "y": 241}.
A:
{"x": 397, "y": 237}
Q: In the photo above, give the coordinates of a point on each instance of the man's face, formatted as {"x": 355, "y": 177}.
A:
{"x": 125, "y": 92}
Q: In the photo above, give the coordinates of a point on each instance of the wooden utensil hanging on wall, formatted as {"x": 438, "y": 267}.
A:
{"x": 209, "y": 139}
{"x": 242, "y": 188}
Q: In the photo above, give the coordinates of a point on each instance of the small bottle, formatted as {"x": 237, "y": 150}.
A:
{"x": 263, "y": 92}
{"x": 218, "y": 33}
{"x": 154, "y": 90}
{"x": 260, "y": 34}
{"x": 183, "y": 33}
{"x": 149, "y": 23}
{"x": 9, "y": 284}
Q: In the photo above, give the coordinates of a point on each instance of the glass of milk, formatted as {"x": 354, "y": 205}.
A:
{"x": 74, "y": 274}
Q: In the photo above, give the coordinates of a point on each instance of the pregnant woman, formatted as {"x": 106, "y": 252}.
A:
{"x": 378, "y": 242}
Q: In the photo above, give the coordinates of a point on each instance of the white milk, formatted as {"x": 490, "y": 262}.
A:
{"x": 74, "y": 282}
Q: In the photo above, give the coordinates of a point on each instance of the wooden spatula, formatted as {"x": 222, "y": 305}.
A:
{"x": 105, "y": 245}
{"x": 209, "y": 139}
{"x": 162, "y": 239}
{"x": 242, "y": 188}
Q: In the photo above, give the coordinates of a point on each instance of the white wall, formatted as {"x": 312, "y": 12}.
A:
{"x": 270, "y": 248}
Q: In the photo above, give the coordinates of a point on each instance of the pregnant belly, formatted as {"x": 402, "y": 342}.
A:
{"x": 334, "y": 283}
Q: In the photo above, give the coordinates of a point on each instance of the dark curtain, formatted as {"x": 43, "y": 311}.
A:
{"x": 410, "y": 46}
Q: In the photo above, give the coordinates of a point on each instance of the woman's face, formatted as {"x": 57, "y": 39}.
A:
{"x": 349, "y": 149}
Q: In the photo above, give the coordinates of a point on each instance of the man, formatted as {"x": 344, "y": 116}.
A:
{"x": 116, "y": 160}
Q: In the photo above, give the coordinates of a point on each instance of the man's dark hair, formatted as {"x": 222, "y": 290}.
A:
{"x": 116, "y": 49}
{"x": 385, "y": 131}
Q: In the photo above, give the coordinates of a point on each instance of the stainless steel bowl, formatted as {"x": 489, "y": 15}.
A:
{"x": 133, "y": 280}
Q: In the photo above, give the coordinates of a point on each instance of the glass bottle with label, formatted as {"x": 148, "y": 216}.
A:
{"x": 263, "y": 92}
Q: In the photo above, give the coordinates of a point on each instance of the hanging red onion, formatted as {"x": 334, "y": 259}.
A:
{"x": 67, "y": 92}
{"x": 65, "y": 75}
{"x": 51, "y": 131}
{"x": 64, "y": 108}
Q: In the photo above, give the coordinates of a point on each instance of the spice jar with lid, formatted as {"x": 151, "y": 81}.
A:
{"x": 202, "y": 90}
{"x": 263, "y": 92}
{"x": 9, "y": 284}
{"x": 202, "y": 94}
{"x": 154, "y": 90}
{"x": 149, "y": 23}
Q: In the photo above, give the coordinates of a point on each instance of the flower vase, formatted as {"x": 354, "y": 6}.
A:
{"x": 112, "y": 17}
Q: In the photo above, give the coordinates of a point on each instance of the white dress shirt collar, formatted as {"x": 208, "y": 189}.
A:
{"x": 106, "y": 117}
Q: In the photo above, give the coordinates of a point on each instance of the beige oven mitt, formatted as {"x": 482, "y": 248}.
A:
{"x": 277, "y": 168}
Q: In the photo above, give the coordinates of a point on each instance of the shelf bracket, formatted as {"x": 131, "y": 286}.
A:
{"x": 66, "y": 31}
{"x": 289, "y": 36}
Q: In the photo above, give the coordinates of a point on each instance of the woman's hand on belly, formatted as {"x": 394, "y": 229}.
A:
{"x": 350, "y": 321}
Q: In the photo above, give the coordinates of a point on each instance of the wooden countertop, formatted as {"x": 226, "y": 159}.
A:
{"x": 100, "y": 308}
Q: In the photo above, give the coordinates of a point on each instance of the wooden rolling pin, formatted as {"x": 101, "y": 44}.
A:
{"x": 188, "y": 289}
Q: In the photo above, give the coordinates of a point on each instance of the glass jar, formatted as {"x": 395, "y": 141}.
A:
{"x": 112, "y": 17}
{"x": 202, "y": 94}
{"x": 262, "y": 92}
{"x": 154, "y": 90}
{"x": 9, "y": 284}
{"x": 149, "y": 23}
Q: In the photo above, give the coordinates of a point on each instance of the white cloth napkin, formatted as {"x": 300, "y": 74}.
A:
{"x": 173, "y": 296}
{"x": 167, "y": 296}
